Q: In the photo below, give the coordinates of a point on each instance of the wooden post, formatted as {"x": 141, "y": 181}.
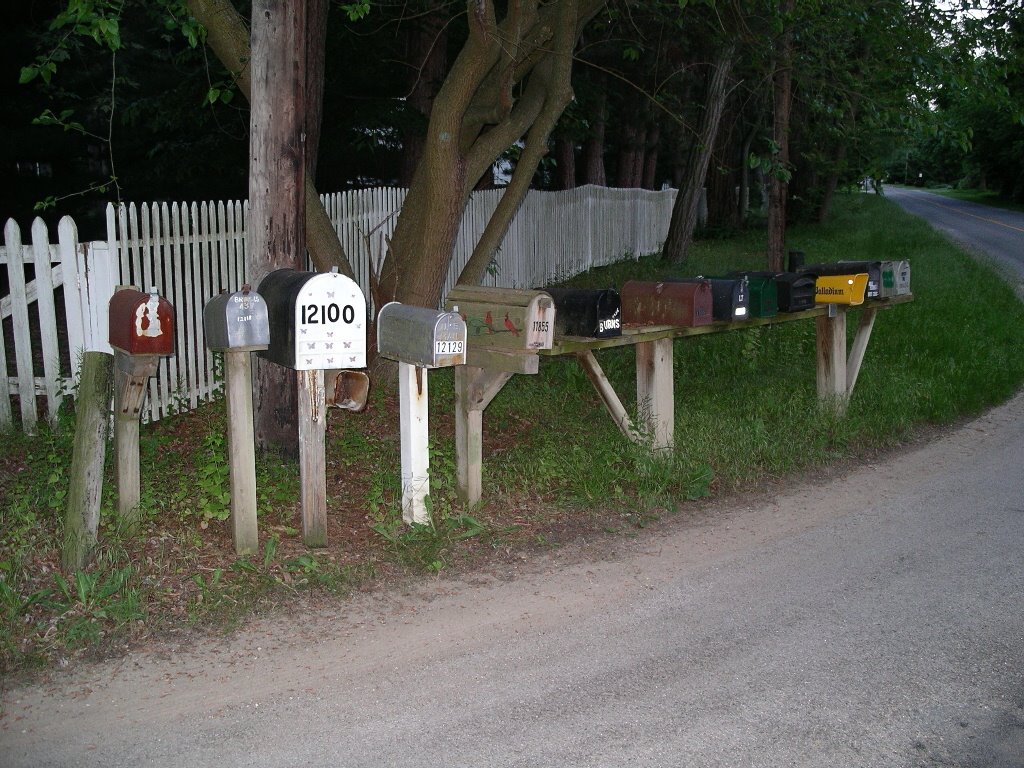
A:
{"x": 312, "y": 462}
{"x": 831, "y": 357}
{"x": 129, "y": 393}
{"x": 81, "y": 520}
{"x": 474, "y": 390}
{"x": 654, "y": 391}
{"x": 412, "y": 399}
{"x": 241, "y": 451}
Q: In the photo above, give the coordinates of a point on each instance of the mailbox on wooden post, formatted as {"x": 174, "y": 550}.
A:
{"x": 840, "y": 289}
{"x": 666, "y": 303}
{"x": 794, "y": 291}
{"x": 317, "y": 322}
{"x": 588, "y": 312}
{"x": 730, "y": 296}
{"x": 141, "y": 331}
{"x": 419, "y": 339}
{"x": 238, "y": 324}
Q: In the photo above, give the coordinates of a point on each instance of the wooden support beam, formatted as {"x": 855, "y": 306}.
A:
{"x": 655, "y": 394}
{"x": 859, "y": 347}
{"x": 85, "y": 484}
{"x": 241, "y": 451}
{"x": 474, "y": 390}
{"x": 607, "y": 393}
{"x": 831, "y": 357}
{"x": 312, "y": 461}
{"x": 412, "y": 398}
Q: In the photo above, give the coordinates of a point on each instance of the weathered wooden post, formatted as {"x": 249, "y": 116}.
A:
{"x": 92, "y": 420}
{"x": 141, "y": 331}
{"x": 237, "y": 324}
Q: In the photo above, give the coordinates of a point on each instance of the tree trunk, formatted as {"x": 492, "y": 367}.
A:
{"x": 565, "y": 163}
{"x": 276, "y": 237}
{"x": 687, "y": 205}
{"x": 593, "y": 147}
{"x": 778, "y": 188}
{"x": 503, "y": 85}
{"x": 427, "y": 58}
{"x": 228, "y": 38}
{"x": 651, "y": 149}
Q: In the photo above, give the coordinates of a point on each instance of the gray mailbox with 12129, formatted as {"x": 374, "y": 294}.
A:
{"x": 418, "y": 338}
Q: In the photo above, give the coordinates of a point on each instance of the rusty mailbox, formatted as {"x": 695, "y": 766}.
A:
{"x": 587, "y": 312}
{"x": 730, "y": 296}
{"x": 422, "y": 337}
{"x": 140, "y": 329}
{"x": 237, "y": 322}
{"x": 317, "y": 320}
{"x": 505, "y": 318}
{"x": 666, "y": 303}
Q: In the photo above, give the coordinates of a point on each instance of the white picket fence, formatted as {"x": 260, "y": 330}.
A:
{"x": 57, "y": 294}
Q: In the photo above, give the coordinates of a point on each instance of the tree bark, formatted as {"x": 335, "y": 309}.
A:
{"x": 778, "y": 188}
{"x": 427, "y": 58}
{"x": 687, "y": 205}
{"x": 228, "y": 37}
{"x": 593, "y": 147}
{"x": 565, "y": 163}
{"x": 475, "y": 117}
{"x": 276, "y": 237}
{"x": 651, "y": 149}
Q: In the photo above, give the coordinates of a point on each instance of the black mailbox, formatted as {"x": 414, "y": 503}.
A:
{"x": 589, "y": 312}
{"x": 317, "y": 320}
{"x": 730, "y": 296}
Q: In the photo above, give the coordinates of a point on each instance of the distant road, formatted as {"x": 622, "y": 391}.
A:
{"x": 992, "y": 232}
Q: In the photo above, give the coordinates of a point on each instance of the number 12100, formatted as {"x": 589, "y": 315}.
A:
{"x": 321, "y": 314}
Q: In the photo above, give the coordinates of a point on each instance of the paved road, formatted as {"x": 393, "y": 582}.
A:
{"x": 992, "y": 233}
{"x": 874, "y": 619}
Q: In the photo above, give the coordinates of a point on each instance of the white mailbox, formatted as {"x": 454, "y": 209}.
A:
{"x": 317, "y": 320}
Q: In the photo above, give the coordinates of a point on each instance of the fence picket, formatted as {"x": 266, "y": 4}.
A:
{"x": 26, "y": 384}
{"x": 47, "y": 317}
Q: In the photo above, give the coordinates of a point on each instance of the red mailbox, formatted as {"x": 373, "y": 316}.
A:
{"x": 141, "y": 323}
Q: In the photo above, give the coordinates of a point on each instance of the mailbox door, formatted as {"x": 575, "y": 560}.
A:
{"x": 902, "y": 275}
{"x": 764, "y": 297}
{"x": 330, "y": 323}
{"x": 796, "y": 292}
{"x": 449, "y": 341}
{"x": 841, "y": 289}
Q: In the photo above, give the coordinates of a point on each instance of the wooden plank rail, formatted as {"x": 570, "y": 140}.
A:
{"x": 478, "y": 383}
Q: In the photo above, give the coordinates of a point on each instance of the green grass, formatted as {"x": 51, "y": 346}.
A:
{"x": 746, "y": 409}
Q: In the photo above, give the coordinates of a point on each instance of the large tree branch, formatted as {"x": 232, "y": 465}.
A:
{"x": 552, "y": 79}
{"x": 227, "y": 34}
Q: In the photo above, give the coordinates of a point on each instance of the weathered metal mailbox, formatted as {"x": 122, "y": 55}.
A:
{"x": 895, "y": 278}
{"x": 237, "y": 322}
{"x": 423, "y": 337}
{"x": 141, "y": 329}
{"x": 588, "y": 312}
{"x": 730, "y": 296}
{"x": 317, "y": 320}
{"x": 666, "y": 303}
{"x": 507, "y": 318}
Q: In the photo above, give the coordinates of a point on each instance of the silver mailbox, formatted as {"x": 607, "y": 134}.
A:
{"x": 236, "y": 322}
{"x": 419, "y": 336}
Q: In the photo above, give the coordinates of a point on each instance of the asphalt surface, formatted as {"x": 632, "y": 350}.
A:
{"x": 990, "y": 233}
{"x": 874, "y": 618}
